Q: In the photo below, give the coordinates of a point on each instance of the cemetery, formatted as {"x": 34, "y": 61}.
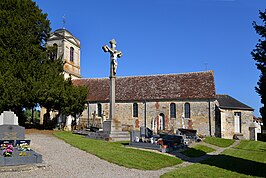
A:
{"x": 14, "y": 149}
{"x": 112, "y": 128}
{"x": 164, "y": 142}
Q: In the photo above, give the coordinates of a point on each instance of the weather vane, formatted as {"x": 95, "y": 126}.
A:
{"x": 64, "y": 21}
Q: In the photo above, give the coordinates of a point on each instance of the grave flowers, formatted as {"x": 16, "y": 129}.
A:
{"x": 8, "y": 150}
{"x": 23, "y": 147}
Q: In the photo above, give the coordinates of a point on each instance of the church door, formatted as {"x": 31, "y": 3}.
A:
{"x": 237, "y": 121}
{"x": 161, "y": 122}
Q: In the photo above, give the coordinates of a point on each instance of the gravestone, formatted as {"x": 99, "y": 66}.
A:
{"x": 10, "y": 133}
{"x": 9, "y": 128}
{"x": 146, "y": 132}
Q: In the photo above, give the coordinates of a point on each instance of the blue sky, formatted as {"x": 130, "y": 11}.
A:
{"x": 167, "y": 36}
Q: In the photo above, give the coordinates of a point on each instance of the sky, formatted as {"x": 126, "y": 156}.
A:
{"x": 167, "y": 37}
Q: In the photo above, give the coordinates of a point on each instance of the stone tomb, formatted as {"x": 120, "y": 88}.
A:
{"x": 13, "y": 134}
{"x": 9, "y": 128}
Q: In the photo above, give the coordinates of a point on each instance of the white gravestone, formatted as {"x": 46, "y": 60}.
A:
{"x": 8, "y": 118}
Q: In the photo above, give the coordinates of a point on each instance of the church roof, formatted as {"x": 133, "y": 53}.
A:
{"x": 196, "y": 85}
{"x": 228, "y": 102}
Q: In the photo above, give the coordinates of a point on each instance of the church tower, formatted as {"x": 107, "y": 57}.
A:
{"x": 68, "y": 47}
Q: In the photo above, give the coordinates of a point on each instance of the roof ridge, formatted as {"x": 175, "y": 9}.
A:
{"x": 184, "y": 73}
{"x": 154, "y": 75}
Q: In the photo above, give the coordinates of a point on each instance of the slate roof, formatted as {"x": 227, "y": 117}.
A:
{"x": 228, "y": 102}
{"x": 196, "y": 85}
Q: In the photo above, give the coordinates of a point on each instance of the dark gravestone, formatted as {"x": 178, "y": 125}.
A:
{"x": 133, "y": 135}
{"x": 18, "y": 142}
{"x": 146, "y": 132}
{"x": 143, "y": 131}
{"x": 2, "y": 142}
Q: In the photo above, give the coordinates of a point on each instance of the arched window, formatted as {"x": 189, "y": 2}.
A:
{"x": 135, "y": 110}
{"x": 187, "y": 110}
{"x": 99, "y": 109}
{"x": 71, "y": 54}
{"x": 172, "y": 110}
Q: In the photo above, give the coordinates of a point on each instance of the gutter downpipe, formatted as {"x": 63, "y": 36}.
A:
{"x": 210, "y": 127}
{"x": 88, "y": 114}
{"x": 145, "y": 116}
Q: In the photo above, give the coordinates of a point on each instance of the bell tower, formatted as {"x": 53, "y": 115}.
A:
{"x": 68, "y": 47}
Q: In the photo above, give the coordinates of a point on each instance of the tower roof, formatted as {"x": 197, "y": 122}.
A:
{"x": 61, "y": 34}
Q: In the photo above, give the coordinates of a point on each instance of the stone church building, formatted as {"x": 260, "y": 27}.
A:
{"x": 163, "y": 103}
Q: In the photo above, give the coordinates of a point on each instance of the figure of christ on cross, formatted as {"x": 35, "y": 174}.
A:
{"x": 114, "y": 54}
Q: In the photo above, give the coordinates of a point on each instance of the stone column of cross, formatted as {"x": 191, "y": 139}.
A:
{"x": 114, "y": 54}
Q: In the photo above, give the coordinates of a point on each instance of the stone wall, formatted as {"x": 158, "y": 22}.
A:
{"x": 199, "y": 120}
{"x": 228, "y": 123}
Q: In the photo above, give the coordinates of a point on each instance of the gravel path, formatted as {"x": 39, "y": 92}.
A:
{"x": 63, "y": 160}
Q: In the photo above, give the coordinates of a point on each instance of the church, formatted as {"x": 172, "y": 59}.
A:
{"x": 163, "y": 103}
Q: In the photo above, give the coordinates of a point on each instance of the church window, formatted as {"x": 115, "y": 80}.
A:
{"x": 187, "y": 110}
{"x": 135, "y": 110}
{"x": 99, "y": 109}
{"x": 71, "y": 54}
{"x": 172, "y": 110}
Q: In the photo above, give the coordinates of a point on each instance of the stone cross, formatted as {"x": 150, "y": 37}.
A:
{"x": 114, "y": 54}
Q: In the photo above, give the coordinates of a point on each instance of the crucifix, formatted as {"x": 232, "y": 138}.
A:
{"x": 114, "y": 54}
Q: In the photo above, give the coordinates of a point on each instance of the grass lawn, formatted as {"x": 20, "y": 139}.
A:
{"x": 252, "y": 146}
{"x": 198, "y": 150}
{"x": 221, "y": 142}
{"x": 202, "y": 171}
{"x": 248, "y": 159}
{"x": 115, "y": 152}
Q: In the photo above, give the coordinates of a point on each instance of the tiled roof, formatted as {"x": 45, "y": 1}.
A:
{"x": 196, "y": 85}
{"x": 228, "y": 102}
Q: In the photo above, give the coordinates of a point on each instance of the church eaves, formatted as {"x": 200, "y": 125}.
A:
{"x": 196, "y": 85}
{"x": 228, "y": 102}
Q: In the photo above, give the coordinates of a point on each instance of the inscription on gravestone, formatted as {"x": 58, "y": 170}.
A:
{"x": 9, "y": 128}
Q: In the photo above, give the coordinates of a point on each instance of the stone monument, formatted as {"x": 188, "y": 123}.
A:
{"x": 9, "y": 128}
{"x": 112, "y": 127}
{"x": 114, "y": 54}
{"x": 11, "y": 137}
